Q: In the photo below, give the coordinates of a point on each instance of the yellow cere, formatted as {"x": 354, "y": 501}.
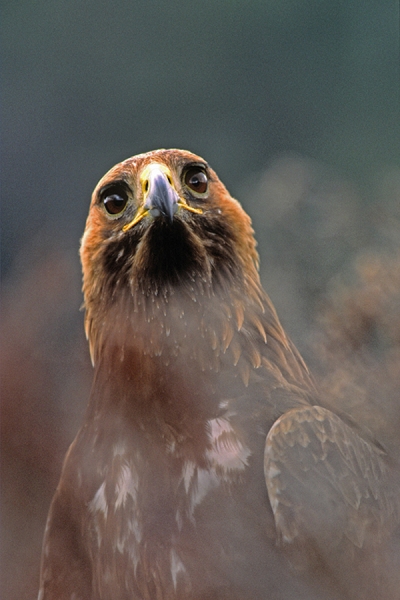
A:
{"x": 144, "y": 181}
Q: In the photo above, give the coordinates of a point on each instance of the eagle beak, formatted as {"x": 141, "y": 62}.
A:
{"x": 159, "y": 193}
{"x": 160, "y": 196}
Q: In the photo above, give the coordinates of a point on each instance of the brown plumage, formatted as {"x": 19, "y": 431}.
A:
{"x": 205, "y": 458}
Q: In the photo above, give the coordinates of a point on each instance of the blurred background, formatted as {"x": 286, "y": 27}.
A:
{"x": 296, "y": 106}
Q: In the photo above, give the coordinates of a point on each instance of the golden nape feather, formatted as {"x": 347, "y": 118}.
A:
{"x": 206, "y": 467}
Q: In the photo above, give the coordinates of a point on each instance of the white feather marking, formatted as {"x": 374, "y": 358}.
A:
{"x": 273, "y": 471}
{"x": 134, "y": 555}
{"x": 127, "y": 485}
{"x": 188, "y": 471}
{"x": 134, "y": 527}
{"x": 227, "y": 451}
{"x": 226, "y": 455}
{"x": 99, "y": 502}
{"x": 274, "y": 505}
{"x": 219, "y": 426}
{"x": 119, "y": 449}
{"x": 177, "y": 567}
{"x": 207, "y": 480}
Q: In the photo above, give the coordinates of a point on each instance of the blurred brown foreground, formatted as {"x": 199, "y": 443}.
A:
{"x": 341, "y": 305}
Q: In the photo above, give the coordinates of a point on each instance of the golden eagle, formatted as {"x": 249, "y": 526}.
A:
{"x": 206, "y": 467}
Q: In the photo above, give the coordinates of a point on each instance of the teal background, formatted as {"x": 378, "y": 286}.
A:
{"x": 294, "y": 103}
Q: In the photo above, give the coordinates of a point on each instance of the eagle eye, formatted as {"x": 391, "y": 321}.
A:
{"x": 114, "y": 199}
{"x": 196, "y": 180}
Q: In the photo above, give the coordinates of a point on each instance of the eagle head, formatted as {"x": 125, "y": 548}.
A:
{"x": 162, "y": 224}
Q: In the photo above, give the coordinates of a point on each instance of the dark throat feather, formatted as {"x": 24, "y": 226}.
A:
{"x": 182, "y": 316}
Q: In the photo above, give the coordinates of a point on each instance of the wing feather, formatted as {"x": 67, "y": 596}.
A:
{"x": 324, "y": 481}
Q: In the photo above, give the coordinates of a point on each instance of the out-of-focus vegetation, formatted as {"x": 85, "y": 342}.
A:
{"x": 295, "y": 104}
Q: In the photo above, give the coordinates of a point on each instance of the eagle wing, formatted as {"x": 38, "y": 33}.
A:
{"x": 325, "y": 482}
